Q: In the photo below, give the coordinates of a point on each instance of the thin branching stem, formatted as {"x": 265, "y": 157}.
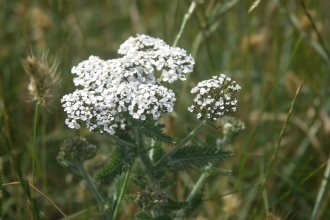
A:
{"x": 120, "y": 195}
{"x": 1, "y": 193}
{"x": 302, "y": 3}
{"x": 180, "y": 145}
{"x": 185, "y": 19}
{"x": 276, "y": 150}
{"x": 34, "y": 144}
{"x": 322, "y": 191}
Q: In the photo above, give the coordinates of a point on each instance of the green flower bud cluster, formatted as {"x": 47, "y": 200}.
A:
{"x": 75, "y": 150}
{"x": 150, "y": 198}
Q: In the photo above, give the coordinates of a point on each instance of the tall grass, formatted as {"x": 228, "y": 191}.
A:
{"x": 269, "y": 51}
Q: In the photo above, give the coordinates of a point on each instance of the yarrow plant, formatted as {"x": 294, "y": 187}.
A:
{"x": 124, "y": 98}
{"x": 126, "y": 87}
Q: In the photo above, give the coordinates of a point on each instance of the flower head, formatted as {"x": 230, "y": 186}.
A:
{"x": 44, "y": 79}
{"x": 125, "y": 87}
{"x": 214, "y": 97}
{"x": 75, "y": 150}
{"x": 231, "y": 125}
{"x": 150, "y": 54}
{"x": 150, "y": 198}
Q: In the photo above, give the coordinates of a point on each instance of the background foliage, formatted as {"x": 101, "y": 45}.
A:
{"x": 268, "y": 51}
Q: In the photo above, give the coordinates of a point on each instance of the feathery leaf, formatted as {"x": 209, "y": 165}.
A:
{"x": 120, "y": 161}
{"x": 155, "y": 131}
{"x": 191, "y": 157}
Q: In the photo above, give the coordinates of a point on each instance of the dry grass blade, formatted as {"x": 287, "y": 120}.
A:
{"x": 314, "y": 27}
{"x": 276, "y": 150}
{"x": 254, "y": 5}
{"x": 36, "y": 189}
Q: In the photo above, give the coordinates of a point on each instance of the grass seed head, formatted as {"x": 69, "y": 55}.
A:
{"x": 44, "y": 80}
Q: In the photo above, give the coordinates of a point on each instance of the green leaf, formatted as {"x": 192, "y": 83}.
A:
{"x": 121, "y": 161}
{"x": 165, "y": 217}
{"x": 194, "y": 207}
{"x": 143, "y": 216}
{"x": 191, "y": 157}
{"x": 218, "y": 171}
{"x": 174, "y": 205}
{"x": 131, "y": 197}
{"x": 155, "y": 131}
{"x": 158, "y": 152}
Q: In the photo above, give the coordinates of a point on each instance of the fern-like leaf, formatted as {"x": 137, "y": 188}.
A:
{"x": 155, "y": 131}
{"x": 143, "y": 216}
{"x": 121, "y": 161}
{"x": 218, "y": 171}
{"x": 191, "y": 157}
{"x": 174, "y": 205}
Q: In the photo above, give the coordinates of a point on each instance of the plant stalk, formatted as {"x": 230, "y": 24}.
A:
{"x": 34, "y": 144}
{"x": 120, "y": 195}
{"x": 120, "y": 141}
{"x": 92, "y": 188}
{"x": 145, "y": 160}
{"x": 1, "y": 193}
{"x": 90, "y": 184}
{"x": 276, "y": 150}
{"x": 322, "y": 191}
{"x": 185, "y": 19}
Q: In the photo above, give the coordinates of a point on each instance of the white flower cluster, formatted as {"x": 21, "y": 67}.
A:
{"x": 214, "y": 97}
{"x": 150, "y": 53}
{"x": 117, "y": 88}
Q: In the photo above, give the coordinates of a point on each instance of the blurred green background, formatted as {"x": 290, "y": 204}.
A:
{"x": 268, "y": 51}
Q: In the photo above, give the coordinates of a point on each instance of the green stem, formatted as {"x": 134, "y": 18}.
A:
{"x": 146, "y": 163}
{"x": 120, "y": 141}
{"x": 121, "y": 195}
{"x": 183, "y": 24}
{"x": 145, "y": 160}
{"x": 1, "y": 193}
{"x": 180, "y": 145}
{"x": 34, "y": 143}
{"x": 90, "y": 184}
{"x": 276, "y": 150}
{"x": 92, "y": 188}
{"x": 322, "y": 191}
{"x": 185, "y": 19}
{"x": 43, "y": 152}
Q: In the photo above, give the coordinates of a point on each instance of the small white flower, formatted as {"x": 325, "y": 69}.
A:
{"x": 214, "y": 97}
{"x": 126, "y": 85}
